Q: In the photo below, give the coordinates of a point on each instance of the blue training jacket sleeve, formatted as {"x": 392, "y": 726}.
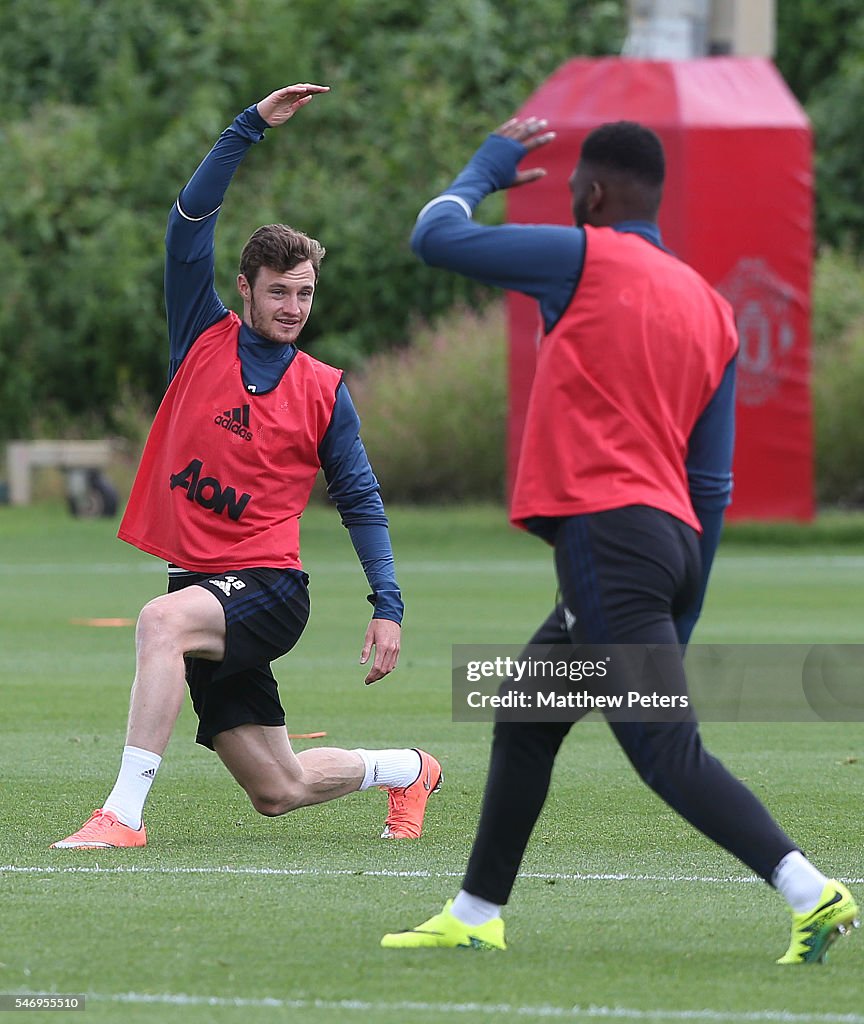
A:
{"x": 354, "y": 489}
{"x": 191, "y": 302}
{"x": 709, "y": 474}
{"x": 543, "y": 261}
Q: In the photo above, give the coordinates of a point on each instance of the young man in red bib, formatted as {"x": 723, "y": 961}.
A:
{"x": 246, "y": 423}
{"x": 625, "y": 469}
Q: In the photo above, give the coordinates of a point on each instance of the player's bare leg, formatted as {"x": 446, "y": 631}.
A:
{"x": 277, "y": 780}
{"x": 190, "y": 621}
{"x": 187, "y": 622}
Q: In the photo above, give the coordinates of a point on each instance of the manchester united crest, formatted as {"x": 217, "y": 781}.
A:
{"x": 764, "y": 307}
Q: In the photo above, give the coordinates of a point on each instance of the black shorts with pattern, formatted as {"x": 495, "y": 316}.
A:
{"x": 266, "y": 611}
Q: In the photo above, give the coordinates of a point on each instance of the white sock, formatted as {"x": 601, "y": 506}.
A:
{"x": 472, "y": 909}
{"x": 396, "y": 768}
{"x": 137, "y": 771}
{"x": 798, "y": 882}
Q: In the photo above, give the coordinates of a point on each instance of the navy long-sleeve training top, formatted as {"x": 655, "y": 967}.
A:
{"x": 545, "y": 262}
{"x": 193, "y": 305}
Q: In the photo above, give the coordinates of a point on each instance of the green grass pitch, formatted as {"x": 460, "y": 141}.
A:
{"x": 623, "y": 912}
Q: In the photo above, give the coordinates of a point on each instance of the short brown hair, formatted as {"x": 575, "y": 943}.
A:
{"x": 280, "y": 248}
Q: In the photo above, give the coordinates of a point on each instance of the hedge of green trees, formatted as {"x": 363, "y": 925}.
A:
{"x": 821, "y": 56}
{"x": 107, "y": 108}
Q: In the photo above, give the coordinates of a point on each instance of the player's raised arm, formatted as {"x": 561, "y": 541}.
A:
{"x": 540, "y": 260}
{"x": 191, "y": 301}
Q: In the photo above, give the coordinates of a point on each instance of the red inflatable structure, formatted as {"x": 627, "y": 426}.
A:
{"x": 737, "y": 207}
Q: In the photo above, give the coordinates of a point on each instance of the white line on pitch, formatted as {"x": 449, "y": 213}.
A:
{"x": 228, "y": 869}
{"x": 545, "y": 1011}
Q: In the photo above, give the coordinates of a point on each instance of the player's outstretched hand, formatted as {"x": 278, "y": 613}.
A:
{"x": 283, "y": 104}
{"x": 385, "y": 637}
{"x": 530, "y": 131}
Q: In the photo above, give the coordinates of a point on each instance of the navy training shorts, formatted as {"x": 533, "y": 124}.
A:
{"x": 266, "y": 611}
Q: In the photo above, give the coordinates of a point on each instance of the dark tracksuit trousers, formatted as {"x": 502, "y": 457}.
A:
{"x": 624, "y": 575}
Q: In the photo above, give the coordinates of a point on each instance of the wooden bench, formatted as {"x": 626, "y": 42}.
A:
{"x": 75, "y": 458}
